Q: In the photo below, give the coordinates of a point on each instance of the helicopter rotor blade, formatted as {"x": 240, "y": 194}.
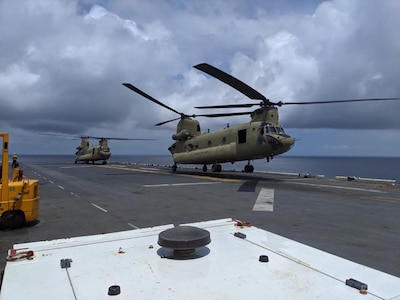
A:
{"x": 253, "y": 94}
{"x": 210, "y": 116}
{"x": 119, "y": 139}
{"x": 92, "y": 137}
{"x": 162, "y": 123}
{"x": 280, "y": 103}
{"x": 225, "y": 114}
{"x": 66, "y": 136}
{"x": 140, "y": 92}
{"x": 228, "y": 106}
{"x": 56, "y": 134}
{"x": 231, "y": 81}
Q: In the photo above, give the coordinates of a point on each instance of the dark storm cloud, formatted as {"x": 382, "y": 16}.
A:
{"x": 62, "y": 62}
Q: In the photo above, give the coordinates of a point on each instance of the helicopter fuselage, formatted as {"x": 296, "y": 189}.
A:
{"x": 92, "y": 154}
{"x": 249, "y": 141}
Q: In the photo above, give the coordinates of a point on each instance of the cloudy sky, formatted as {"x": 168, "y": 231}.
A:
{"x": 62, "y": 63}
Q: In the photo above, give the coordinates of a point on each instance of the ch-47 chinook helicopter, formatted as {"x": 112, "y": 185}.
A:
{"x": 262, "y": 137}
{"x": 86, "y": 153}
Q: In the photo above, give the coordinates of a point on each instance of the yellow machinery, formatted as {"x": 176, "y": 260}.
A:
{"x": 19, "y": 197}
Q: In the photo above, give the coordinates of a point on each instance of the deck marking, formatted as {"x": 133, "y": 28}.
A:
{"x": 158, "y": 171}
{"x": 51, "y": 181}
{"x": 102, "y": 209}
{"x": 265, "y": 200}
{"x": 156, "y": 185}
{"x": 339, "y": 187}
{"x": 179, "y": 184}
{"x": 133, "y": 226}
{"x": 152, "y": 169}
{"x": 61, "y": 187}
{"x": 74, "y": 167}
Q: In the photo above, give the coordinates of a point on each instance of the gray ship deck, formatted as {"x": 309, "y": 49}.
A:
{"x": 358, "y": 221}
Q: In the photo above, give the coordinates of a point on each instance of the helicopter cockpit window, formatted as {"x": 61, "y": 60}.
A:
{"x": 270, "y": 129}
{"x": 280, "y": 130}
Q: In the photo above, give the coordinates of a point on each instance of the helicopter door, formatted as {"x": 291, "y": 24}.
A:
{"x": 242, "y": 136}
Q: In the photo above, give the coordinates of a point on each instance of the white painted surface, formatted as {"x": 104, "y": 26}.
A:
{"x": 265, "y": 200}
{"x": 230, "y": 270}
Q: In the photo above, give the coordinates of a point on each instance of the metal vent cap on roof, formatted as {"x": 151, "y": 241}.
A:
{"x": 184, "y": 240}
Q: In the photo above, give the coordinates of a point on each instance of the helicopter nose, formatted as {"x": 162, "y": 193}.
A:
{"x": 280, "y": 143}
{"x": 287, "y": 142}
{"x": 274, "y": 142}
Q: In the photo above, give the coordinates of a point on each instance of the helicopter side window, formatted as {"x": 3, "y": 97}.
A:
{"x": 224, "y": 140}
{"x": 209, "y": 143}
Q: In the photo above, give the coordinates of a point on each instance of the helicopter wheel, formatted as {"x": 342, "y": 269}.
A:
{"x": 249, "y": 168}
{"x": 174, "y": 167}
{"x": 104, "y": 162}
{"x": 205, "y": 168}
{"x": 216, "y": 168}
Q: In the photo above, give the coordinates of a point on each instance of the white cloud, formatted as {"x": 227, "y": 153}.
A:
{"x": 62, "y": 62}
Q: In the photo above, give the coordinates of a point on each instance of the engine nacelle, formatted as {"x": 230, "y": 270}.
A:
{"x": 183, "y": 135}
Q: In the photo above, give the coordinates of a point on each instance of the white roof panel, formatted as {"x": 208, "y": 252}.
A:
{"x": 227, "y": 268}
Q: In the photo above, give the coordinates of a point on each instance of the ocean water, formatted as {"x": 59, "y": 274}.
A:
{"x": 367, "y": 167}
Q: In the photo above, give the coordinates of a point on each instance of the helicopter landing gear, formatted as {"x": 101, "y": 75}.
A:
{"x": 174, "y": 167}
{"x": 216, "y": 168}
{"x": 249, "y": 168}
{"x": 205, "y": 168}
{"x": 104, "y": 162}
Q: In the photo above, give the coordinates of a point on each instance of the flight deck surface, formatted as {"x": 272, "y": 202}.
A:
{"x": 354, "y": 220}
